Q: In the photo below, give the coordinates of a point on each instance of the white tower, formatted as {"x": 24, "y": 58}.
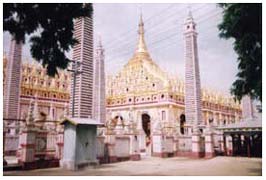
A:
{"x": 12, "y": 86}
{"x": 192, "y": 87}
{"x": 192, "y": 75}
{"x": 99, "y": 110}
{"x": 83, "y": 52}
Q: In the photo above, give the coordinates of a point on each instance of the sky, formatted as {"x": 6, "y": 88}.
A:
{"x": 117, "y": 25}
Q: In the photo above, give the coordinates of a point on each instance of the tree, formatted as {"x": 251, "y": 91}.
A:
{"x": 51, "y": 27}
{"x": 243, "y": 23}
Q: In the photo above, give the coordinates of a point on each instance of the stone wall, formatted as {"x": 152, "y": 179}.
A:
{"x": 11, "y": 144}
{"x": 122, "y": 146}
{"x": 184, "y": 143}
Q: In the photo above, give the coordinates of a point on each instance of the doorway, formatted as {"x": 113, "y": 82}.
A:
{"x": 146, "y": 126}
{"x": 182, "y": 123}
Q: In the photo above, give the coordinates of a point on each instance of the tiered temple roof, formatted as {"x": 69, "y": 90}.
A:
{"x": 141, "y": 76}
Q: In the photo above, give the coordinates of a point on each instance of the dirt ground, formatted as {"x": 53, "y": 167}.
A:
{"x": 151, "y": 166}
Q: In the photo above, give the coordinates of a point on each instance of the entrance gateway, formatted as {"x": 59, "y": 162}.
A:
{"x": 146, "y": 126}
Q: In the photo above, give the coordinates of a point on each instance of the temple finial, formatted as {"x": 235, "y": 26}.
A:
{"x": 190, "y": 12}
{"x": 141, "y": 20}
{"x": 141, "y": 24}
{"x": 141, "y": 47}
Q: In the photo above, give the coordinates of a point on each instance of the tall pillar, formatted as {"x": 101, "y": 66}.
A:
{"x": 99, "y": 110}
{"x": 83, "y": 52}
{"x": 12, "y": 85}
{"x": 192, "y": 84}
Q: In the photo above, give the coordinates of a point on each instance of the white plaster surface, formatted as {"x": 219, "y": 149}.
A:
{"x": 122, "y": 147}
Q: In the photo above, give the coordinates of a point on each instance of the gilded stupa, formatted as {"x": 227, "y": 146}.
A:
{"x": 142, "y": 92}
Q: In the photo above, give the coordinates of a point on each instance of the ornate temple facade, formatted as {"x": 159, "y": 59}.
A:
{"x": 145, "y": 107}
{"x": 51, "y": 94}
{"x": 142, "y": 93}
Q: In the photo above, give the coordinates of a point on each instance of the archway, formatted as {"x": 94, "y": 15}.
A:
{"x": 182, "y": 123}
{"x": 146, "y": 126}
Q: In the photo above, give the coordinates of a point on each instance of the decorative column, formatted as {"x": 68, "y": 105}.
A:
{"x": 134, "y": 149}
{"x": 99, "y": 109}
{"x": 141, "y": 133}
{"x": 60, "y": 136}
{"x": 209, "y": 143}
{"x": 229, "y": 145}
{"x": 158, "y": 141}
{"x": 192, "y": 85}
{"x": 158, "y": 145}
{"x": 59, "y": 142}
{"x": 27, "y": 142}
{"x": 220, "y": 135}
{"x": 12, "y": 85}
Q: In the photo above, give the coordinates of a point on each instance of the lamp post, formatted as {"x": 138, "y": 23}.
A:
{"x": 75, "y": 70}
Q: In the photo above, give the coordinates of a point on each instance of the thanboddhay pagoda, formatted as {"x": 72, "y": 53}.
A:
{"x": 144, "y": 94}
{"x": 146, "y": 111}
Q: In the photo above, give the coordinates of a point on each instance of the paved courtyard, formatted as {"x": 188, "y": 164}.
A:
{"x": 223, "y": 166}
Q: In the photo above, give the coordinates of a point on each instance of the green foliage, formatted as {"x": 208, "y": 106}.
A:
{"x": 243, "y": 23}
{"x": 51, "y": 28}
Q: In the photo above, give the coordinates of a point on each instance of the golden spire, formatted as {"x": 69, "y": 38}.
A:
{"x": 141, "y": 46}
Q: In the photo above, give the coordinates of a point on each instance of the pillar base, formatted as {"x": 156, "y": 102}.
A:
{"x": 135, "y": 157}
{"x": 190, "y": 154}
{"x": 229, "y": 152}
{"x": 112, "y": 159}
{"x": 143, "y": 150}
{"x": 69, "y": 165}
{"x": 106, "y": 160}
{"x": 183, "y": 153}
{"x": 209, "y": 154}
{"x": 160, "y": 154}
{"x": 72, "y": 165}
{"x": 197, "y": 154}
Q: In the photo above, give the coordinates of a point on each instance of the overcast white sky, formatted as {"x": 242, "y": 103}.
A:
{"x": 117, "y": 25}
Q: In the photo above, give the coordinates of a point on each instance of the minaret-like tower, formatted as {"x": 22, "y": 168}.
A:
{"x": 12, "y": 84}
{"x": 192, "y": 75}
{"x": 83, "y": 52}
{"x": 99, "y": 110}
